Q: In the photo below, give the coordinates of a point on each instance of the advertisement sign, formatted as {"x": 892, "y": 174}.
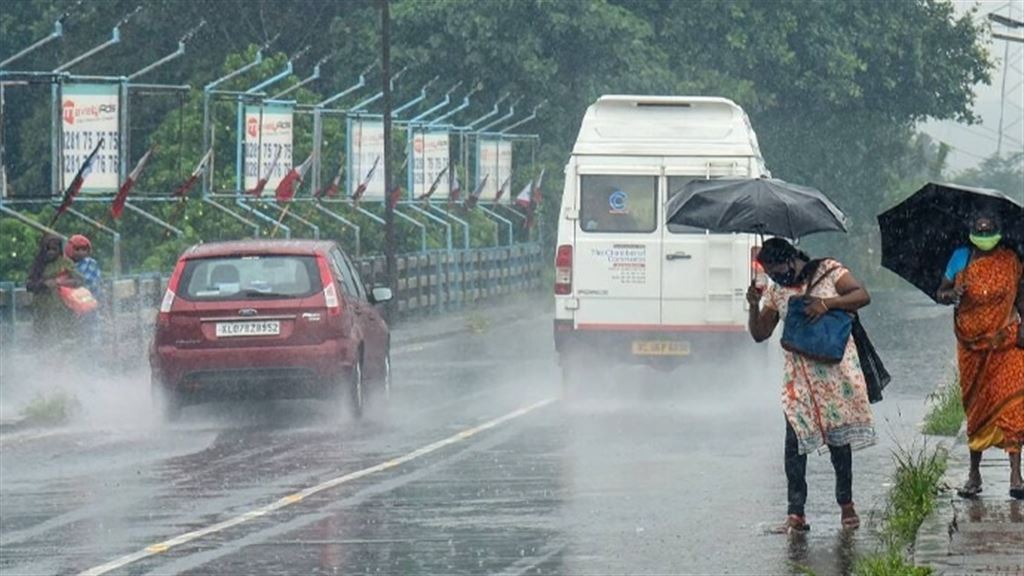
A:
{"x": 89, "y": 113}
{"x": 494, "y": 158}
{"x": 430, "y": 157}
{"x": 365, "y": 149}
{"x": 268, "y": 144}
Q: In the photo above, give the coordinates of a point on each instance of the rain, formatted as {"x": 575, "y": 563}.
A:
{"x": 481, "y": 287}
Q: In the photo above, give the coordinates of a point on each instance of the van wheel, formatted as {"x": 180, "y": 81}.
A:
{"x": 166, "y": 402}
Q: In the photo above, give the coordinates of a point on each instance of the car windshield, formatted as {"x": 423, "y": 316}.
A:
{"x": 250, "y": 277}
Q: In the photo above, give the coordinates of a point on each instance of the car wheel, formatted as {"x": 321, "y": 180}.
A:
{"x": 355, "y": 388}
{"x": 166, "y": 402}
{"x": 385, "y": 381}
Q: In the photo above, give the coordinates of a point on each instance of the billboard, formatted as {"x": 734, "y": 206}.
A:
{"x": 268, "y": 144}
{"x": 90, "y": 113}
{"x": 430, "y": 157}
{"x": 493, "y": 159}
{"x": 365, "y": 151}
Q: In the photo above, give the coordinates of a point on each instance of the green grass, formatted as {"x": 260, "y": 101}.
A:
{"x": 890, "y": 563}
{"x": 947, "y": 411}
{"x": 50, "y": 409}
{"x": 911, "y": 499}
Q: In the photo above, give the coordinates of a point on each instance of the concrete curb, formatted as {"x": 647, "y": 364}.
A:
{"x": 973, "y": 537}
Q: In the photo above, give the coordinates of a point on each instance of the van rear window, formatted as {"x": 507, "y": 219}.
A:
{"x": 622, "y": 204}
{"x": 677, "y": 186}
{"x": 250, "y": 277}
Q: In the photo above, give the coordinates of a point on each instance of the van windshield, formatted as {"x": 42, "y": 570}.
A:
{"x": 250, "y": 277}
{"x": 623, "y": 204}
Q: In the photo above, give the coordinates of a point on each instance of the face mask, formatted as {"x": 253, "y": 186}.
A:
{"x": 986, "y": 243}
{"x": 788, "y": 278}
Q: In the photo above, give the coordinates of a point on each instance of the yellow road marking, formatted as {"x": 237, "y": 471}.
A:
{"x": 166, "y": 545}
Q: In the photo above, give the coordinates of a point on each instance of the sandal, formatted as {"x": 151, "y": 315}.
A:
{"x": 794, "y": 524}
{"x": 849, "y": 518}
{"x": 969, "y": 490}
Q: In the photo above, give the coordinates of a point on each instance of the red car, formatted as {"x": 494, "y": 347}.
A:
{"x": 269, "y": 319}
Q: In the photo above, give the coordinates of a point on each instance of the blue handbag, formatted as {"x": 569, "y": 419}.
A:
{"x": 823, "y": 340}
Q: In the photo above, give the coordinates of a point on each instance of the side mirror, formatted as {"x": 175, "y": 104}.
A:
{"x": 381, "y": 295}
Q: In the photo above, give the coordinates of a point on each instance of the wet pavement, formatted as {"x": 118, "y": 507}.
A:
{"x": 653, "y": 474}
{"x": 978, "y": 537}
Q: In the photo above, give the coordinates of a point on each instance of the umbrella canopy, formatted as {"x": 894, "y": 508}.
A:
{"x": 755, "y": 206}
{"x": 920, "y": 234}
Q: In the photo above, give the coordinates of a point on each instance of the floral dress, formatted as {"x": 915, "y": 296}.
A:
{"x": 826, "y": 404}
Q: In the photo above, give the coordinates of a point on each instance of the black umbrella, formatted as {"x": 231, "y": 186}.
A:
{"x": 755, "y": 206}
{"x": 920, "y": 234}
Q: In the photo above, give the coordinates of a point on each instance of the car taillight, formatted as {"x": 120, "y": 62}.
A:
{"x": 331, "y": 299}
{"x": 563, "y": 270}
{"x": 164, "y": 317}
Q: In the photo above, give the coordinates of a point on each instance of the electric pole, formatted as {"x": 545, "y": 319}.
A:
{"x": 389, "y": 211}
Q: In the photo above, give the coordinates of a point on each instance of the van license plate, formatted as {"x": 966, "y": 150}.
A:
{"x": 264, "y": 328}
{"x": 661, "y": 348}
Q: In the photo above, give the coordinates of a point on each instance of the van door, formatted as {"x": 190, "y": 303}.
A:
{"x": 704, "y": 276}
{"x": 617, "y": 256}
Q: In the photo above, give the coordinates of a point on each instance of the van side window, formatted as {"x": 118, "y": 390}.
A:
{"x": 677, "y": 186}
{"x": 624, "y": 204}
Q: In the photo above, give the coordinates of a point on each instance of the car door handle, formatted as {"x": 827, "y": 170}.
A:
{"x": 678, "y": 256}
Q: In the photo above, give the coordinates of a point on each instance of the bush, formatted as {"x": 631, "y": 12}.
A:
{"x": 947, "y": 411}
{"x": 51, "y": 409}
{"x": 911, "y": 499}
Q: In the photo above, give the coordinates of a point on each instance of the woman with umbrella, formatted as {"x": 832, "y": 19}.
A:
{"x": 825, "y": 404}
{"x": 986, "y": 283}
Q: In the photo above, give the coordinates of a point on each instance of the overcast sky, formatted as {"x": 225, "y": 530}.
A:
{"x": 973, "y": 143}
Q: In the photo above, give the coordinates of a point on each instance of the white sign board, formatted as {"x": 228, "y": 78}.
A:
{"x": 89, "y": 113}
{"x": 268, "y": 145}
{"x": 430, "y": 157}
{"x": 365, "y": 149}
{"x": 494, "y": 160}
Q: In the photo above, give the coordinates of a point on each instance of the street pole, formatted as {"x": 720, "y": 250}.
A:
{"x": 389, "y": 212}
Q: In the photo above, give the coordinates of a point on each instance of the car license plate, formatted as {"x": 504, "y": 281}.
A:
{"x": 661, "y": 348}
{"x": 262, "y": 328}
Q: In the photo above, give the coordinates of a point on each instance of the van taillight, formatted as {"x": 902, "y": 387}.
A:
{"x": 331, "y": 299}
{"x": 164, "y": 317}
{"x": 563, "y": 270}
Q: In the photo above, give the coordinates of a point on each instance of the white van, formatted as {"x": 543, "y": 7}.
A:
{"x": 628, "y": 287}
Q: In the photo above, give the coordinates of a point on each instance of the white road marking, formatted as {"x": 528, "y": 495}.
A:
{"x": 166, "y": 545}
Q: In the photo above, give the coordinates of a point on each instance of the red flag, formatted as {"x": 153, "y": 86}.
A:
{"x": 501, "y": 189}
{"x": 117, "y": 208}
{"x": 361, "y": 189}
{"x": 76, "y": 184}
{"x": 535, "y": 196}
{"x": 292, "y": 181}
{"x": 332, "y": 189}
{"x": 395, "y": 196}
{"x": 455, "y": 193}
{"x": 262, "y": 182}
{"x": 194, "y": 177}
{"x": 474, "y": 196}
{"x": 523, "y": 199}
{"x": 433, "y": 186}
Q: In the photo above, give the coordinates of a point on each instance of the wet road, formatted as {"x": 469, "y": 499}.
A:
{"x": 467, "y": 471}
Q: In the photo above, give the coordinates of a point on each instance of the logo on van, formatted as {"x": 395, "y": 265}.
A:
{"x": 617, "y": 202}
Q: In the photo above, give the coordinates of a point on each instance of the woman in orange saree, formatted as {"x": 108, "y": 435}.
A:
{"x": 986, "y": 282}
